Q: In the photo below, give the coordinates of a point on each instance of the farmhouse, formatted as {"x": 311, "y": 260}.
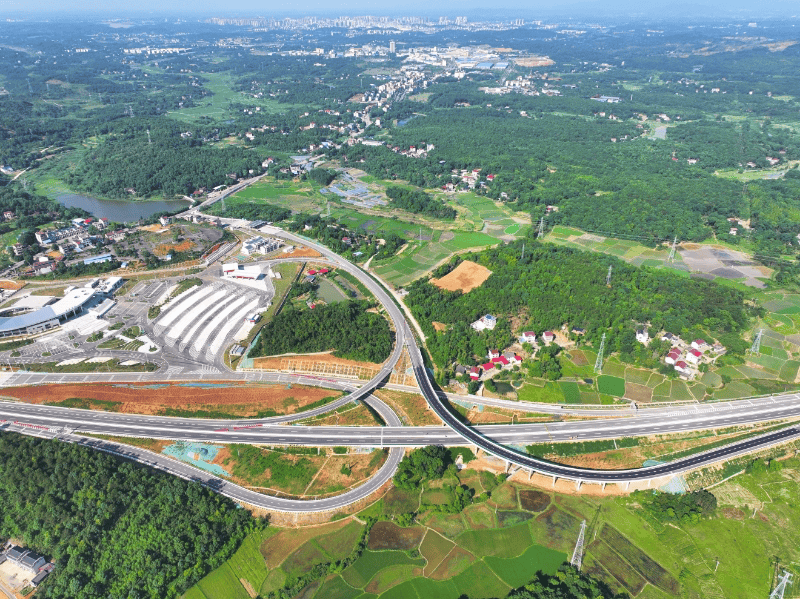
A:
{"x": 528, "y": 337}
{"x": 548, "y": 336}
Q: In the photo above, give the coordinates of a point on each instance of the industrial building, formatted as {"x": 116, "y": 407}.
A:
{"x": 75, "y": 302}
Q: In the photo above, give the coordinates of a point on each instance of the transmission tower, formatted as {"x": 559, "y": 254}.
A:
{"x": 577, "y": 555}
{"x": 780, "y": 589}
{"x": 223, "y": 203}
{"x": 756, "y": 347}
{"x": 523, "y": 251}
{"x": 598, "y": 365}
{"x": 541, "y": 228}
{"x": 672, "y": 250}
{"x": 149, "y": 141}
{"x": 608, "y": 276}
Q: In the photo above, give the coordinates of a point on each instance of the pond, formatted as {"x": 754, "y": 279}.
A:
{"x": 120, "y": 211}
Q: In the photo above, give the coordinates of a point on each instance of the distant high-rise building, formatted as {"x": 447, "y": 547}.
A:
{"x": 461, "y": 20}
{"x": 392, "y": 47}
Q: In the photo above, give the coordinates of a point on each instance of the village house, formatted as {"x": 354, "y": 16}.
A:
{"x": 642, "y": 336}
{"x": 694, "y": 356}
{"x": 673, "y": 356}
{"x": 548, "y": 336}
{"x": 682, "y": 367}
{"x": 528, "y": 337}
{"x": 700, "y": 344}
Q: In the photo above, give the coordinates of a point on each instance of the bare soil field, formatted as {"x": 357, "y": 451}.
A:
{"x": 298, "y": 253}
{"x": 163, "y": 249}
{"x": 308, "y": 362}
{"x": 236, "y": 399}
{"x": 465, "y": 277}
{"x": 9, "y": 284}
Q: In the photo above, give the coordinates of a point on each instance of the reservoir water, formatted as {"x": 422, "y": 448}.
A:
{"x": 120, "y": 211}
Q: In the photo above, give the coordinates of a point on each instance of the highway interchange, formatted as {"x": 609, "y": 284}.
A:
{"x": 500, "y": 441}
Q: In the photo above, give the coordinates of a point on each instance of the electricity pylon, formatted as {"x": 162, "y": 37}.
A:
{"x": 672, "y": 250}
{"x": 756, "y": 347}
{"x": 577, "y": 555}
{"x": 541, "y": 228}
{"x": 780, "y": 589}
{"x": 598, "y": 364}
{"x": 608, "y": 277}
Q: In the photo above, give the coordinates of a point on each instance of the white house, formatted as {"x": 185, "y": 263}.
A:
{"x": 485, "y": 322}
{"x": 673, "y": 356}
{"x": 694, "y": 356}
{"x": 527, "y": 337}
{"x": 642, "y": 336}
{"x": 682, "y": 367}
{"x": 700, "y": 344}
{"x": 548, "y": 336}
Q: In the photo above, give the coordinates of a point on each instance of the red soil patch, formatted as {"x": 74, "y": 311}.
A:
{"x": 439, "y": 326}
{"x": 298, "y": 253}
{"x": 163, "y": 249}
{"x": 285, "y": 362}
{"x": 465, "y": 277}
{"x": 7, "y": 284}
{"x": 243, "y": 400}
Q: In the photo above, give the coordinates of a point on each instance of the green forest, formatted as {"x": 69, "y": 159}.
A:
{"x": 419, "y": 202}
{"x": 345, "y": 327}
{"x": 114, "y": 528}
{"x": 166, "y": 167}
{"x": 551, "y": 286}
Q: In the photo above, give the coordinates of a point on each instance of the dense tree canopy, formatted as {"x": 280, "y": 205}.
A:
{"x": 419, "y": 202}
{"x": 345, "y": 327}
{"x": 116, "y": 529}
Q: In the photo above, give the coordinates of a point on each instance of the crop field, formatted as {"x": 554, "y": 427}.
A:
{"x": 218, "y": 105}
{"x": 484, "y": 562}
{"x": 420, "y": 258}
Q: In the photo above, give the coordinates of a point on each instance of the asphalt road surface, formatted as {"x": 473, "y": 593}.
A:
{"x": 45, "y": 420}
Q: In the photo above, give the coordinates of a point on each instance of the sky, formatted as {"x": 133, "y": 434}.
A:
{"x": 474, "y": 9}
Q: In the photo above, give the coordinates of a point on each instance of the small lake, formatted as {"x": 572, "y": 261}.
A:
{"x": 121, "y": 211}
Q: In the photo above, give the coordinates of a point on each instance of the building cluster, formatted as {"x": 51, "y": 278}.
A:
{"x": 686, "y": 358}
{"x": 496, "y": 362}
{"x": 260, "y": 245}
{"x": 372, "y": 25}
{"x": 33, "y": 564}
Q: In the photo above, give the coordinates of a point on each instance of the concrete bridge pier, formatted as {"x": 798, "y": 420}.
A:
{"x": 578, "y": 485}
{"x": 555, "y": 478}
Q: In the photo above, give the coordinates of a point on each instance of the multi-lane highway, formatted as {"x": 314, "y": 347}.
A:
{"x": 45, "y": 420}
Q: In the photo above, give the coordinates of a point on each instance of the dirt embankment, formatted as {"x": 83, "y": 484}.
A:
{"x": 231, "y": 398}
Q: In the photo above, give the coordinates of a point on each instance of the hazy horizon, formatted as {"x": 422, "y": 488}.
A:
{"x": 473, "y": 9}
